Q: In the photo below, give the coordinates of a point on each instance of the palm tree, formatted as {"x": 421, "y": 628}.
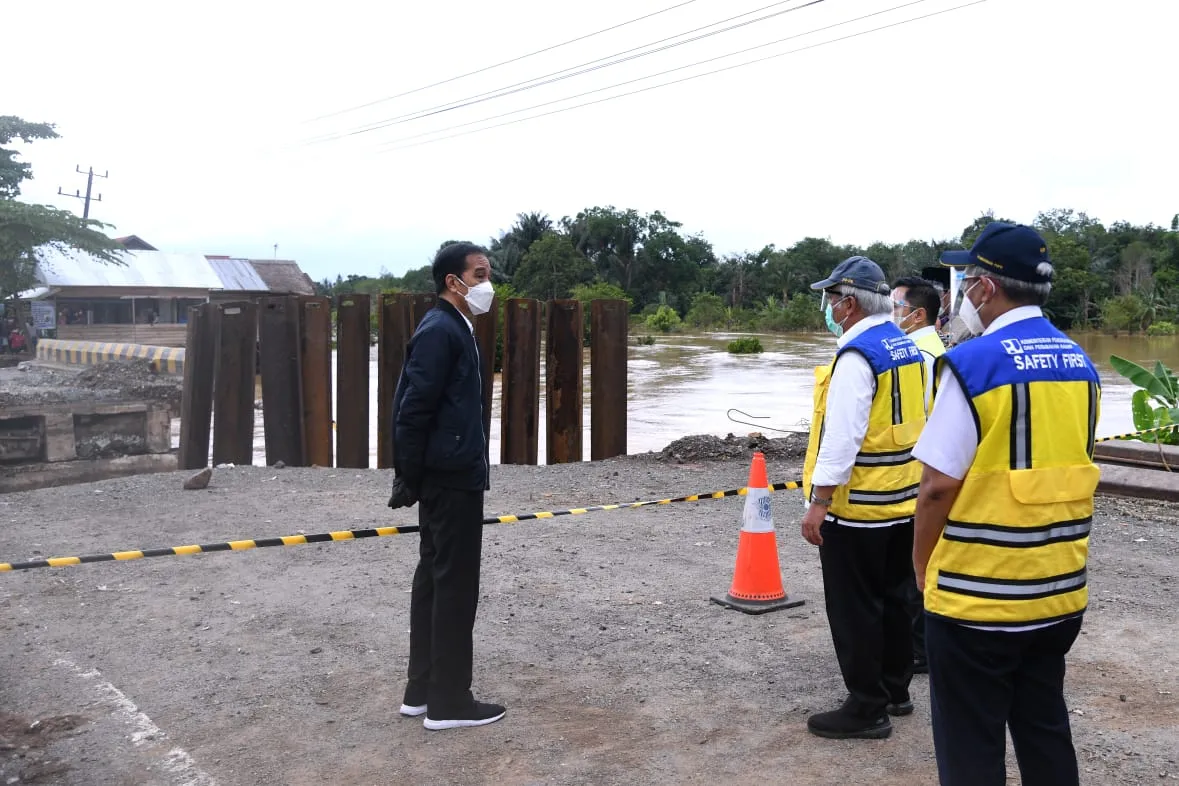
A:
{"x": 509, "y": 248}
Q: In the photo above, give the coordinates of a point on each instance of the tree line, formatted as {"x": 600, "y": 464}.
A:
{"x": 1123, "y": 277}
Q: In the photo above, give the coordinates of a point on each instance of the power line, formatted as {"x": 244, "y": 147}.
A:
{"x": 685, "y": 79}
{"x": 562, "y": 74}
{"x": 504, "y": 63}
{"x": 660, "y": 73}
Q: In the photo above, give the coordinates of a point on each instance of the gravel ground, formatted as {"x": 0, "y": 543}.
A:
{"x": 132, "y": 380}
{"x": 285, "y": 665}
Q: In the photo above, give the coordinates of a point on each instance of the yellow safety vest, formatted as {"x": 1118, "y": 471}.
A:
{"x": 1015, "y": 547}
{"x": 884, "y": 481}
{"x": 930, "y": 344}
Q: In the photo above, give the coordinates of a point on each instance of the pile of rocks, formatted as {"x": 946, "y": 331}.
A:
{"x": 704, "y": 447}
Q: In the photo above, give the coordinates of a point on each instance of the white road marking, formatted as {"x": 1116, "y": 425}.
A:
{"x": 177, "y": 762}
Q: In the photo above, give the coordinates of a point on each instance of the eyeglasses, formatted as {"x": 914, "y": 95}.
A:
{"x": 900, "y": 304}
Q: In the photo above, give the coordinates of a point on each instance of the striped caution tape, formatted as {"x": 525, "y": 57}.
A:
{"x": 356, "y": 534}
{"x": 793, "y": 484}
{"x": 1133, "y": 434}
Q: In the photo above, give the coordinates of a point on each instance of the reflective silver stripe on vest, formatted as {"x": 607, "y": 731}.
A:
{"x": 1017, "y": 536}
{"x": 896, "y": 396}
{"x": 1013, "y": 589}
{"x": 1021, "y": 427}
{"x": 1092, "y": 418}
{"x": 866, "y": 523}
{"x": 884, "y": 459}
{"x": 862, "y": 497}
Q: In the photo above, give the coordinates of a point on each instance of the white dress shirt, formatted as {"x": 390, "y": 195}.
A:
{"x": 942, "y": 445}
{"x": 470, "y": 324}
{"x": 849, "y": 402}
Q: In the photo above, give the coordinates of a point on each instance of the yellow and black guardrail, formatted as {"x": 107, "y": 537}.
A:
{"x": 357, "y": 534}
{"x": 169, "y": 360}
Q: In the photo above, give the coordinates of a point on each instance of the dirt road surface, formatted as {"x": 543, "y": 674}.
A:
{"x": 285, "y": 665}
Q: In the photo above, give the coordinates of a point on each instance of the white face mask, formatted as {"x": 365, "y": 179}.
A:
{"x": 479, "y": 297}
{"x": 969, "y": 314}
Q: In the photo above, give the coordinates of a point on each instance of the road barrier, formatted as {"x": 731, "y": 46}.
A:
{"x": 169, "y": 360}
{"x": 356, "y": 534}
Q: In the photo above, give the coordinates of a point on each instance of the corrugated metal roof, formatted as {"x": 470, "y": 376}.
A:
{"x": 158, "y": 269}
{"x": 283, "y": 276}
{"x": 238, "y": 274}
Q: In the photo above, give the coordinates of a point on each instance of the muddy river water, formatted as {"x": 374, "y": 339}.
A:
{"x": 685, "y": 384}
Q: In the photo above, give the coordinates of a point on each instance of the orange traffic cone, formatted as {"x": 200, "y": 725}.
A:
{"x": 757, "y": 578}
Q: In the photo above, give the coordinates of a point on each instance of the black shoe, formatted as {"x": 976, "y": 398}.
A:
{"x": 898, "y": 708}
{"x": 843, "y": 725}
{"x": 920, "y": 665}
{"x": 478, "y": 714}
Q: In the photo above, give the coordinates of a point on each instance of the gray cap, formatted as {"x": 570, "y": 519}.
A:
{"x": 858, "y": 272}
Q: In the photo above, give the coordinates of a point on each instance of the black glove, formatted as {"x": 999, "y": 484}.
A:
{"x": 403, "y": 496}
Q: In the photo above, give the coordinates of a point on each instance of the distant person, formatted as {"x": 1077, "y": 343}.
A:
{"x": 861, "y": 484}
{"x": 31, "y": 332}
{"x": 949, "y": 325}
{"x": 916, "y": 304}
{"x": 1003, "y": 520}
{"x": 441, "y": 459}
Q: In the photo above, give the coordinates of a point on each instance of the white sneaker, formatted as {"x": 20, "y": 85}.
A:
{"x": 410, "y": 711}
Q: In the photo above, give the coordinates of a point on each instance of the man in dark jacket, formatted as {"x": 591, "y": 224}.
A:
{"x": 440, "y": 460}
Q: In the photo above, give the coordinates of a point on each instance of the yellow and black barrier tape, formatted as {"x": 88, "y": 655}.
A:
{"x": 1133, "y": 434}
{"x": 169, "y": 360}
{"x": 357, "y": 534}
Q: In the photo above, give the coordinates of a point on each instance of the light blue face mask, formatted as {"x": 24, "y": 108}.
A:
{"x": 828, "y": 314}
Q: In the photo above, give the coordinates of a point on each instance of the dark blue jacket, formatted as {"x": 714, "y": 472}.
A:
{"x": 438, "y": 434}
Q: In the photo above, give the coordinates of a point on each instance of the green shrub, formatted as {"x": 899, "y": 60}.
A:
{"x": 644, "y": 341}
{"x": 1123, "y": 313}
{"x": 664, "y": 320}
{"x": 749, "y": 345}
{"x": 708, "y": 310}
{"x": 1162, "y": 328}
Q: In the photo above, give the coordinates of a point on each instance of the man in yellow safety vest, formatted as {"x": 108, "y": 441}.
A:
{"x": 1003, "y": 519}
{"x": 916, "y": 304}
{"x": 861, "y": 483}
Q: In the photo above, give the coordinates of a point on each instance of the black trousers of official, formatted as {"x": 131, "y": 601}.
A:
{"x": 866, "y": 577}
{"x": 982, "y": 682}
{"x": 917, "y": 612}
{"x": 445, "y": 597}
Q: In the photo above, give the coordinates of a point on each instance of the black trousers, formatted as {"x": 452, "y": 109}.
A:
{"x": 917, "y": 612}
{"x": 981, "y": 683}
{"x": 444, "y": 600}
{"x": 867, "y": 573}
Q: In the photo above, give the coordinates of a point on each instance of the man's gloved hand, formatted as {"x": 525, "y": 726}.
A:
{"x": 403, "y": 496}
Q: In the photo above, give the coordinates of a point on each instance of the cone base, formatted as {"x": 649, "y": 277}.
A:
{"x": 756, "y": 606}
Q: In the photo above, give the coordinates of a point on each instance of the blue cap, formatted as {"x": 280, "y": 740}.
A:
{"x": 1011, "y": 250}
{"x": 858, "y": 272}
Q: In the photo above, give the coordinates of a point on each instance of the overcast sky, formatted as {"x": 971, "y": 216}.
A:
{"x": 202, "y": 119}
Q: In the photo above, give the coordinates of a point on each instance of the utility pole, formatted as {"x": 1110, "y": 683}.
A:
{"x": 90, "y": 175}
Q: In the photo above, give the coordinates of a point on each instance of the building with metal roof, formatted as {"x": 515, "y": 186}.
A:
{"x": 150, "y": 292}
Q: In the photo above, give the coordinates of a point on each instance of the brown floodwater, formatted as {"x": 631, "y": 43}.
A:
{"x": 685, "y": 383}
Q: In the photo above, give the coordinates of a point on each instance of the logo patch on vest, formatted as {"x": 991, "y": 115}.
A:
{"x": 900, "y": 348}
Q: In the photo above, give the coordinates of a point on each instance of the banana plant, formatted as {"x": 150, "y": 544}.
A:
{"x": 1156, "y": 402}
